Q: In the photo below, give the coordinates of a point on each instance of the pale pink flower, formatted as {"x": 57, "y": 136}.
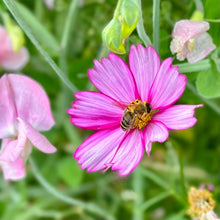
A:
{"x": 146, "y": 79}
{"x": 9, "y": 59}
{"x": 191, "y": 41}
{"x": 24, "y": 110}
{"x": 49, "y": 4}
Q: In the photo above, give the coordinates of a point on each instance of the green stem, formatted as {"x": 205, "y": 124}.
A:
{"x": 156, "y": 24}
{"x": 117, "y": 10}
{"x": 69, "y": 24}
{"x": 39, "y": 10}
{"x": 14, "y": 11}
{"x": 212, "y": 20}
{"x": 194, "y": 67}
{"x": 199, "y": 5}
{"x": 138, "y": 189}
{"x": 140, "y": 28}
{"x": 155, "y": 178}
{"x": 210, "y": 103}
{"x": 155, "y": 200}
{"x": 69, "y": 200}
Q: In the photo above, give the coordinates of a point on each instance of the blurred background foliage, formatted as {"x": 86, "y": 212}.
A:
{"x": 158, "y": 187}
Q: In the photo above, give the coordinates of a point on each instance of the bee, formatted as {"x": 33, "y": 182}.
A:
{"x": 137, "y": 114}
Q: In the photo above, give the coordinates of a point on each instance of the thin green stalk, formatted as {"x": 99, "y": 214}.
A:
{"x": 212, "y": 20}
{"x": 182, "y": 178}
{"x": 140, "y": 28}
{"x": 69, "y": 24}
{"x": 194, "y": 67}
{"x": 69, "y": 200}
{"x": 14, "y": 11}
{"x": 156, "y": 24}
{"x": 156, "y": 179}
{"x": 138, "y": 189}
{"x": 155, "y": 200}
{"x": 199, "y": 5}
{"x": 39, "y": 10}
{"x": 117, "y": 10}
{"x": 210, "y": 103}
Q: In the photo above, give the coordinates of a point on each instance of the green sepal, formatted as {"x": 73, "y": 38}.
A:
{"x": 112, "y": 37}
{"x": 197, "y": 16}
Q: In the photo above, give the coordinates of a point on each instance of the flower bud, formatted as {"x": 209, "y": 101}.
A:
{"x": 129, "y": 17}
{"x": 15, "y": 33}
{"x": 121, "y": 26}
{"x": 112, "y": 36}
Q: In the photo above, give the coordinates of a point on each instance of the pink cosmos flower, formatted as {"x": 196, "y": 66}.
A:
{"x": 24, "y": 110}
{"x": 9, "y": 59}
{"x": 191, "y": 41}
{"x": 157, "y": 86}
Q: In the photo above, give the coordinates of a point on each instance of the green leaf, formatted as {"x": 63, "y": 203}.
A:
{"x": 208, "y": 83}
{"x": 70, "y": 172}
{"x": 39, "y": 31}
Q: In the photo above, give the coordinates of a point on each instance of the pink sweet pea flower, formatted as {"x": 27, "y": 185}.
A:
{"x": 191, "y": 41}
{"x": 24, "y": 110}
{"x": 148, "y": 81}
{"x": 49, "y": 4}
{"x": 9, "y": 59}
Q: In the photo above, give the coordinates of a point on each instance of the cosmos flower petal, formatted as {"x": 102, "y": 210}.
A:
{"x": 38, "y": 140}
{"x": 112, "y": 77}
{"x": 154, "y": 131}
{"x": 15, "y": 60}
{"x": 168, "y": 86}
{"x": 144, "y": 64}
{"x": 97, "y": 150}
{"x": 186, "y": 29}
{"x": 177, "y": 117}
{"x": 13, "y": 170}
{"x": 93, "y": 110}
{"x": 31, "y": 102}
{"x": 129, "y": 153}
{"x": 203, "y": 46}
{"x": 6, "y": 105}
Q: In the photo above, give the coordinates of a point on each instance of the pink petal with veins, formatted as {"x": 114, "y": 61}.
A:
{"x": 168, "y": 86}
{"x": 93, "y": 110}
{"x": 144, "y": 64}
{"x": 112, "y": 77}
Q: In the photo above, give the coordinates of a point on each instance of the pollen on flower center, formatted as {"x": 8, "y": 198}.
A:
{"x": 136, "y": 115}
{"x": 200, "y": 200}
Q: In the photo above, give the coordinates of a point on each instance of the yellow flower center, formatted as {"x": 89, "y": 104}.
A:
{"x": 200, "y": 201}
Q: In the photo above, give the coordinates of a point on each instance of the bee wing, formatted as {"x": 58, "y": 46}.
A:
{"x": 122, "y": 105}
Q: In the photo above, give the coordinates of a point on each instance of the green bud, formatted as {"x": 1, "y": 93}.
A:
{"x": 15, "y": 33}
{"x": 197, "y": 16}
{"x": 112, "y": 36}
{"x": 129, "y": 17}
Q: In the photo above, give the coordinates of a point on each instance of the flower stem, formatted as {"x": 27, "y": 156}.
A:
{"x": 140, "y": 28}
{"x": 210, "y": 103}
{"x": 194, "y": 67}
{"x": 117, "y": 10}
{"x": 15, "y": 12}
{"x": 155, "y": 200}
{"x": 199, "y": 5}
{"x": 69, "y": 200}
{"x": 156, "y": 24}
{"x": 138, "y": 189}
{"x": 69, "y": 24}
